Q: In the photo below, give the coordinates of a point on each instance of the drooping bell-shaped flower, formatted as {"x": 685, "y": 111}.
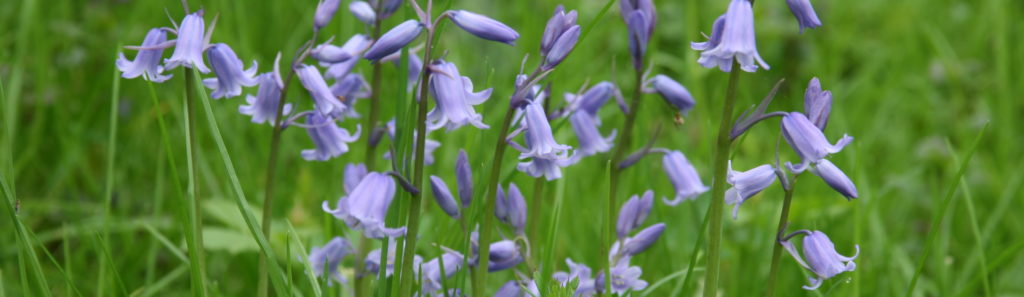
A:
{"x": 464, "y": 178}
{"x": 354, "y": 173}
{"x": 633, "y": 213}
{"x": 483, "y": 26}
{"x": 673, "y": 92}
{"x": 147, "y": 61}
{"x": 230, "y": 75}
{"x": 746, "y": 184}
{"x": 822, "y": 257}
{"x": 431, "y": 271}
{"x": 328, "y": 257}
{"x": 394, "y": 40}
{"x": 504, "y": 254}
{"x": 593, "y": 99}
{"x": 804, "y": 13}
{"x": 325, "y": 11}
{"x": 455, "y": 99}
{"x": 372, "y": 262}
{"x": 263, "y": 106}
{"x": 188, "y": 49}
{"x": 515, "y": 288}
{"x": 366, "y": 207}
{"x": 808, "y": 141}
{"x": 444, "y": 197}
{"x": 625, "y": 278}
{"x": 363, "y": 11}
{"x": 557, "y": 25}
{"x": 683, "y": 176}
{"x": 835, "y": 178}
{"x": 511, "y": 208}
{"x": 579, "y": 272}
{"x": 348, "y": 90}
{"x": 733, "y": 36}
{"x": 330, "y": 140}
{"x": 642, "y": 240}
{"x": 323, "y": 98}
{"x": 350, "y": 51}
{"x": 817, "y": 104}
{"x": 590, "y": 138}
{"x": 546, "y": 156}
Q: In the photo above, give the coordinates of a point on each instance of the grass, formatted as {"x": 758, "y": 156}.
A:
{"x": 906, "y": 76}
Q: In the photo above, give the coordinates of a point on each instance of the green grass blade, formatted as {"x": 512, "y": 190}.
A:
{"x": 28, "y": 258}
{"x": 166, "y": 243}
{"x": 305, "y": 262}
{"x": 101, "y": 243}
{"x": 162, "y": 283}
{"x": 975, "y": 230}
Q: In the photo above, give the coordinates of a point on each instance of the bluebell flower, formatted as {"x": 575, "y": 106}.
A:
{"x": 366, "y": 207}
{"x": 804, "y": 13}
{"x": 642, "y": 240}
{"x": 593, "y": 99}
{"x": 590, "y": 138}
{"x": 625, "y": 278}
{"x": 546, "y": 156}
{"x": 557, "y": 25}
{"x": 483, "y": 26}
{"x": 389, "y": 7}
{"x": 808, "y": 141}
{"x": 746, "y": 184}
{"x": 511, "y": 208}
{"x": 325, "y": 11}
{"x": 455, "y": 99}
{"x": 354, "y": 173}
{"x": 147, "y": 61}
{"x": 835, "y": 178}
{"x": 324, "y": 100}
{"x": 348, "y": 89}
{"x": 330, "y": 140}
{"x": 563, "y": 46}
{"x": 733, "y": 36}
{"x": 444, "y": 197}
{"x": 640, "y": 17}
{"x": 372, "y": 261}
{"x": 188, "y": 49}
{"x": 329, "y": 258}
{"x": 363, "y": 11}
{"x": 464, "y": 178}
{"x": 348, "y": 52}
{"x": 822, "y": 258}
{"x": 627, "y": 7}
{"x": 633, "y": 213}
{"x": 817, "y": 104}
{"x": 504, "y": 254}
{"x": 673, "y": 93}
{"x": 230, "y": 75}
{"x": 263, "y": 106}
{"x": 514, "y": 288}
{"x": 394, "y": 40}
{"x": 683, "y": 176}
{"x": 579, "y": 272}
{"x": 431, "y": 271}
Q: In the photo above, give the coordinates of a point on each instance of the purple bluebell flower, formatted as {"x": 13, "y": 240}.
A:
{"x": 324, "y": 100}
{"x": 643, "y": 239}
{"x": 593, "y": 99}
{"x": 640, "y": 17}
{"x": 804, "y": 13}
{"x": 563, "y": 46}
{"x": 431, "y": 271}
{"x": 230, "y": 75}
{"x": 348, "y": 52}
{"x": 733, "y": 37}
{"x": 354, "y": 173}
{"x": 673, "y": 93}
{"x": 822, "y": 257}
{"x": 366, "y": 207}
{"x": 363, "y": 11}
{"x": 325, "y": 11}
{"x": 263, "y": 106}
{"x": 633, "y": 213}
{"x": 330, "y": 140}
{"x": 817, "y": 104}
{"x": 147, "y": 61}
{"x": 389, "y": 6}
{"x": 683, "y": 176}
{"x": 511, "y": 208}
{"x": 394, "y": 40}
{"x": 627, "y": 7}
{"x": 590, "y": 138}
{"x": 372, "y": 262}
{"x": 483, "y": 26}
{"x": 504, "y": 254}
{"x": 557, "y": 26}
{"x": 515, "y": 288}
{"x": 808, "y": 141}
{"x": 444, "y": 197}
{"x": 188, "y": 49}
{"x": 746, "y": 184}
{"x": 464, "y": 178}
{"x": 546, "y": 156}
{"x": 415, "y": 66}
{"x": 580, "y": 272}
{"x": 348, "y": 89}
{"x": 625, "y": 278}
{"x": 455, "y": 99}
{"x": 329, "y": 258}
{"x": 835, "y": 178}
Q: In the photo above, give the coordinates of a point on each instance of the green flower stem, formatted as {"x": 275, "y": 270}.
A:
{"x": 718, "y": 184}
{"x": 196, "y": 252}
{"x": 777, "y": 250}
{"x": 480, "y": 274}
{"x": 371, "y": 153}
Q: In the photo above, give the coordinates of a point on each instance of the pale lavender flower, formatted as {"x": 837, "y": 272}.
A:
{"x": 633, "y": 213}
{"x": 372, "y": 262}
{"x": 627, "y": 7}
{"x": 804, "y": 13}
{"x": 329, "y": 258}
{"x": 354, "y": 173}
{"x": 483, "y": 26}
{"x": 593, "y": 99}
{"x": 363, "y": 11}
{"x": 366, "y": 207}
{"x": 808, "y": 141}
{"x": 642, "y": 240}
{"x": 640, "y": 17}
{"x": 504, "y": 254}
{"x": 348, "y": 52}
{"x": 563, "y": 46}
{"x": 349, "y": 89}
{"x": 835, "y": 178}
{"x": 746, "y": 184}
{"x": 394, "y": 40}
{"x": 590, "y": 138}
{"x": 147, "y": 61}
{"x": 580, "y": 272}
{"x": 444, "y": 197}
{"x": 822, "y": 257}
{"x": 817, "y": 104}
{"x": 330, "y": 140}
{"x": 263, "y": 106}
{"x": 683, "y": 176}
{"x": 511, "y": 208}
{"x": 625, "y": 278}
{"x": 673, "y": 93}
{"x": 429, "y": 148}
{"x": 514, "y": 288}
{"x": 431, "y": 271}
{"x": 389, "y": 6}
{"x": 464, "y": 178}
{"x": 188, "y": 49}
{"x": 455, "y": 99}
{"x": 733, "y": 37}
{"x": 546, "y": 155}
{"x": 557, "y": 26}
{"x": 230, "y": 75}
{"x": 325, "y": 12}
{"x": 323, "y": 98}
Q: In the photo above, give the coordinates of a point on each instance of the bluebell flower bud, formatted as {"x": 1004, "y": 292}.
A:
{"x": 633, "y": 213}
{"x": 354, "y": 173}
{"x": 188, "y": 49}
{"x": 808, "y": 141}
{"x": 593, "y": 99}
{"x": 455, "y": 98}
{"x": 366, "y": 207}
{"x": 147, "y": 61}
{"x": 511, "y": 208}
{"x": 501, "y": 205}
{"x": 590, "y": 138}
{"x": 483, "y": 26}
{"x": 746, "y": 184}
{"x": 562, "y": 47}
{"x": 263, "y": 106}
{"x": 390, "y": 6}
{"x": 558, "y": 24}
{"x": 817, "y": 104}
{"x": 503, "y": 255}
{"x": 673, "y": 92}
{"x": 323, "y": 98}
{"x": 464, "y": 178}
{"x": 325, "y": 12}
{"x": 643, "y": 239}
{"x": 735, "y": 38}
{"x": 822, "y": 258}
{"x": 330, "y": 140}
{"x": 835, "y": 178}
{"x": 430, "y": 272}
{"x": 329, "y": 258}
{"x": 804, "y": 13}
{"x": 363, "y": 11}
{"x": 230, "y": 75}
{"x": 394, "y": 40}
{"x": 683, "y": 176}
{"x": 636, "y": 24}
{"x": 443, "y": 196}
{"x": 627, "y": 7}
{"x": 350, "y": 51}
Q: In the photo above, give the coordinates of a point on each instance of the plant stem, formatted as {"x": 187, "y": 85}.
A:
{"x": 197, "y": 254}
{"x": 722, "y": 147}
{"x": 480, "y": 274}
{"x": 777, "y": 248}
{"x": 371, "y": 153}
{"x": 538, "y": 198}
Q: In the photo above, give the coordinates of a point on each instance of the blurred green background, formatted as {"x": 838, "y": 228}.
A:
{"x": 913, "y": 81}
